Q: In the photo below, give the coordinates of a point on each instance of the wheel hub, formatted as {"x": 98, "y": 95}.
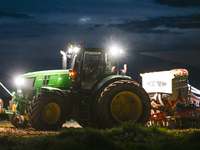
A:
{"x": 51, "y": 113}
{"x": 126, "y": 106}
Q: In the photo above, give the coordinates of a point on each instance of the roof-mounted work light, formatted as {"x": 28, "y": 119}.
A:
{"x": 115, "y": 50}
{"x": 70, "y": 48}
{"x": 73, "y": 48}
{"x": 76, "y": 49}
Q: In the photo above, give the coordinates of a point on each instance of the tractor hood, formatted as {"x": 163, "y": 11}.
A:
{"x": 43, "y": 73}
{"x": 33, "y": 81}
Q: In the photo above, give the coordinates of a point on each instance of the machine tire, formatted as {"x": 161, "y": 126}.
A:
{"x": 48, "y": 111}
{"x": 17, "y": 120}
{"x": 123, "y": 101}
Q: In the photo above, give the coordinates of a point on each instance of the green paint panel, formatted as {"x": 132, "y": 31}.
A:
{"x": 45, "y": 73}
{"x": 52, "y": 78}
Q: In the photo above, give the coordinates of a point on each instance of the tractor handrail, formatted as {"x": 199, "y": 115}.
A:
{"x": 6, "y": 89}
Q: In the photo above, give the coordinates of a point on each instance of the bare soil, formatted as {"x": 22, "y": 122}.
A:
{"x": 7, "y": 129}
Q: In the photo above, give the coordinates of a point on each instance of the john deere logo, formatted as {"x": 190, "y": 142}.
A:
{"x": 156, "y": 83}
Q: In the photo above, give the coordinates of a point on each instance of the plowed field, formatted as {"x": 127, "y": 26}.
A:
{"x": 7, "y": 129}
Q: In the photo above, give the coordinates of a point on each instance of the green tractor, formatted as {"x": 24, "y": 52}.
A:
{"x": 91, "y": 92}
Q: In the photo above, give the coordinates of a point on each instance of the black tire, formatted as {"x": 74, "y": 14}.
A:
{"x": 17, "y": 120}
{"x": 48, "y": 111}
{"x": 123, "y": 101}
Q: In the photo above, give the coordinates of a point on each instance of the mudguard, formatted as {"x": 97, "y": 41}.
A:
{"x": 106, "y": 81}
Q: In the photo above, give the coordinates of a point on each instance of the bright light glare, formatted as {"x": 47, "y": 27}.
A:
{"x": 19, "y": 81}
{"x": 76, "y": 49}
{"x": 73, "y": 50}
{"x": 70, "y": 50}
{"x": 115, "y": 51}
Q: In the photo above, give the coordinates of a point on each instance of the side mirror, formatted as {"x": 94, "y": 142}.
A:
{"x": 125, "y": 68}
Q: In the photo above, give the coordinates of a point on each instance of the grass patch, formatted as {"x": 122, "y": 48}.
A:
{"x": 6, "y": 124}
{"x": 126, "y": 137}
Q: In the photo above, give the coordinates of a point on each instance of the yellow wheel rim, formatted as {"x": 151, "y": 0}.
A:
{"x": 51, "y": 113}
{"x": 126, "y": 106}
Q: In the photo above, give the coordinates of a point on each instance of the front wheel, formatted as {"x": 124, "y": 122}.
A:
{"x": 48, "y": 111}
{"x": 17, "y": 120}
{"x": 123, "y": 101}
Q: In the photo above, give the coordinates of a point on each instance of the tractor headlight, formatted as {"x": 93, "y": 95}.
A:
{"x": 19, "y": 81}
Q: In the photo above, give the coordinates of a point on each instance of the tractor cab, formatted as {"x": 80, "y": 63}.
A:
{"x": 90, "y": 65}
{"x": 96, "y": 65}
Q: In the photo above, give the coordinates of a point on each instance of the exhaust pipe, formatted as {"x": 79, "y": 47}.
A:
{"x": 64, "y": 59}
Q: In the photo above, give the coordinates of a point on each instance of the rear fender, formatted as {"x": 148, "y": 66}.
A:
{"x": 104, "y": 83}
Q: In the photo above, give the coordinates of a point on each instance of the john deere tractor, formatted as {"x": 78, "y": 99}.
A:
{"x": 91, "y": 91}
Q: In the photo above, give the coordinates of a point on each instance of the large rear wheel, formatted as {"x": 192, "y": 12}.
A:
{"x": 48, "y": 111}
{"x": 123, "y": 101}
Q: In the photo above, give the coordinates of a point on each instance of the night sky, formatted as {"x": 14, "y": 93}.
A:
{"x": 156, "y": 35}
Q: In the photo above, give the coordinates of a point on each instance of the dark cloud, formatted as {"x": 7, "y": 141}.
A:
{"x": 98, "y": 25}
{"x": 93, "y": 27}
{"x": 160, "y": 24}
{"x": 180, "y": 3}
{"x": 15, "y": 15}
{"x": 66, "y": 6}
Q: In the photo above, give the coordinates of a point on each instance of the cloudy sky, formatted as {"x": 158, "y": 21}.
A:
{"x": 156, "y": 34}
